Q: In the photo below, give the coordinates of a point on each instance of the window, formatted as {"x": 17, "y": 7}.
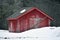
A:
{"x": 23, "y": 11}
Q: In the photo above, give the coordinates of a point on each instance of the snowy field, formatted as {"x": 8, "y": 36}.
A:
{"x": 46, "y": 33}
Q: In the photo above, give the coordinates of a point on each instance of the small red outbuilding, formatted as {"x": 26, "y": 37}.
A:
{"x": 28, "y": 18}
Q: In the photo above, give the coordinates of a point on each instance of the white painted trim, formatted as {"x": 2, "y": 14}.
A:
{"x": 18, "y": 26}
{"x": 26, "y": 24}
{"x": 11, "y": 26}
{"x": 49, "y": 22}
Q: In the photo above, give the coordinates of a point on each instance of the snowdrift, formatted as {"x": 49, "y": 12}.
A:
{"x": 46, "y": 33}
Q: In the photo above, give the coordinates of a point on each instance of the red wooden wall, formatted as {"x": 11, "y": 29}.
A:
{"x": 26, "y": 23}
{"x": 29, "y": 21}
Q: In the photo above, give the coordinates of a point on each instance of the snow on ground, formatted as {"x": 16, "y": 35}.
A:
{"x": 46, "y": 33}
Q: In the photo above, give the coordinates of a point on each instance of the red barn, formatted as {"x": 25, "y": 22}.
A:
{"x": 28, "y": 18}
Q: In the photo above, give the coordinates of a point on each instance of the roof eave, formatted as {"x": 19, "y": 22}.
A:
{"x": 11, "y": 19}
{"x": 44, "y": 14}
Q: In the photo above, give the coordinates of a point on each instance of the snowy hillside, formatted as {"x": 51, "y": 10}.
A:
{"x": 46, "y": 33}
